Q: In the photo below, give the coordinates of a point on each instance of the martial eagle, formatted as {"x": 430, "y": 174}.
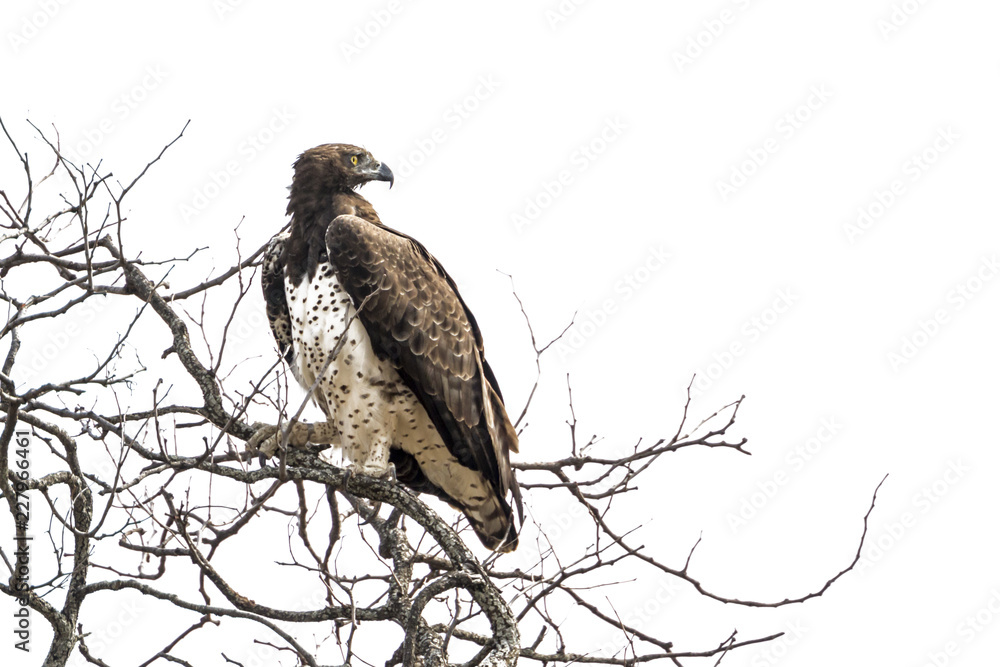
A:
{"x": 410, "y": 388}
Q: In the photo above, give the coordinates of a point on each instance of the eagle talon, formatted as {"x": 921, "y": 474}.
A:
{"x": 386, "y": 474}
{"x": 264, "y": 440}
{"x": 376, "y": 471}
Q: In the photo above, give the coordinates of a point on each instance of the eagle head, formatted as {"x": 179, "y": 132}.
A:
{"x": 332, "y": 168}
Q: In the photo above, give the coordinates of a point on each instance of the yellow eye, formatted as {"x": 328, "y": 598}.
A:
{"x": 354, "y": 159}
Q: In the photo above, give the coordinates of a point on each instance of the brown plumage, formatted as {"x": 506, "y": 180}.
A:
{"x": 412, "y": 379}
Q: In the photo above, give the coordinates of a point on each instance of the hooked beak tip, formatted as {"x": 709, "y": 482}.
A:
{"x": 385, "y": 174}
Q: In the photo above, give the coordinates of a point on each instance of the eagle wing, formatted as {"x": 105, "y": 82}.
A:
{"x": 415, "y": 317}
{"x": 273, "y": 283}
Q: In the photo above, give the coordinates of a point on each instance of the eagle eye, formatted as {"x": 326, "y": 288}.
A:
{"x": 354, "y": 160}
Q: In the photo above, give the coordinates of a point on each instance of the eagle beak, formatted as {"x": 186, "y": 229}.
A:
{"x": 384, "y": 174}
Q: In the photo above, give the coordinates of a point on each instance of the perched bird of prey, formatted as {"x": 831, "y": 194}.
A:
{"x": 409, "y": 387}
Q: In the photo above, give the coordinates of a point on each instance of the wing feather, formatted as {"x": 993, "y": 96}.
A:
{"x": 415, "y": 316}
{"x": 273, "y": 283}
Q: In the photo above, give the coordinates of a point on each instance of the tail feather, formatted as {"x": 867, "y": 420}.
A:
{"x": 493, "y": 523}
{"x": 505, "y": 441}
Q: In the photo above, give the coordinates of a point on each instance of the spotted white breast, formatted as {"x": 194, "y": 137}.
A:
{"x": 365, "y": 397}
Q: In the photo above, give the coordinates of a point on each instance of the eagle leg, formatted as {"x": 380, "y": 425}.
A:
{"x": 267, "y": 437}
{"x": 389, "y": 474}
{"x": 370, "y": 458}
{"x": 379, "y": 472}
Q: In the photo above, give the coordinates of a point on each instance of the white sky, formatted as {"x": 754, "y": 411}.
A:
{"x": 840, "y": 108}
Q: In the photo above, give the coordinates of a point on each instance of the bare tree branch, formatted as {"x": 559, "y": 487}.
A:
{"x": 158, "y": 437}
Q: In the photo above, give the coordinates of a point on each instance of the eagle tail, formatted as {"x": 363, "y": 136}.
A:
{"x": 493, "y": 519}
{"x": 493, "y": 523}
{"x": 505, "y": 436}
